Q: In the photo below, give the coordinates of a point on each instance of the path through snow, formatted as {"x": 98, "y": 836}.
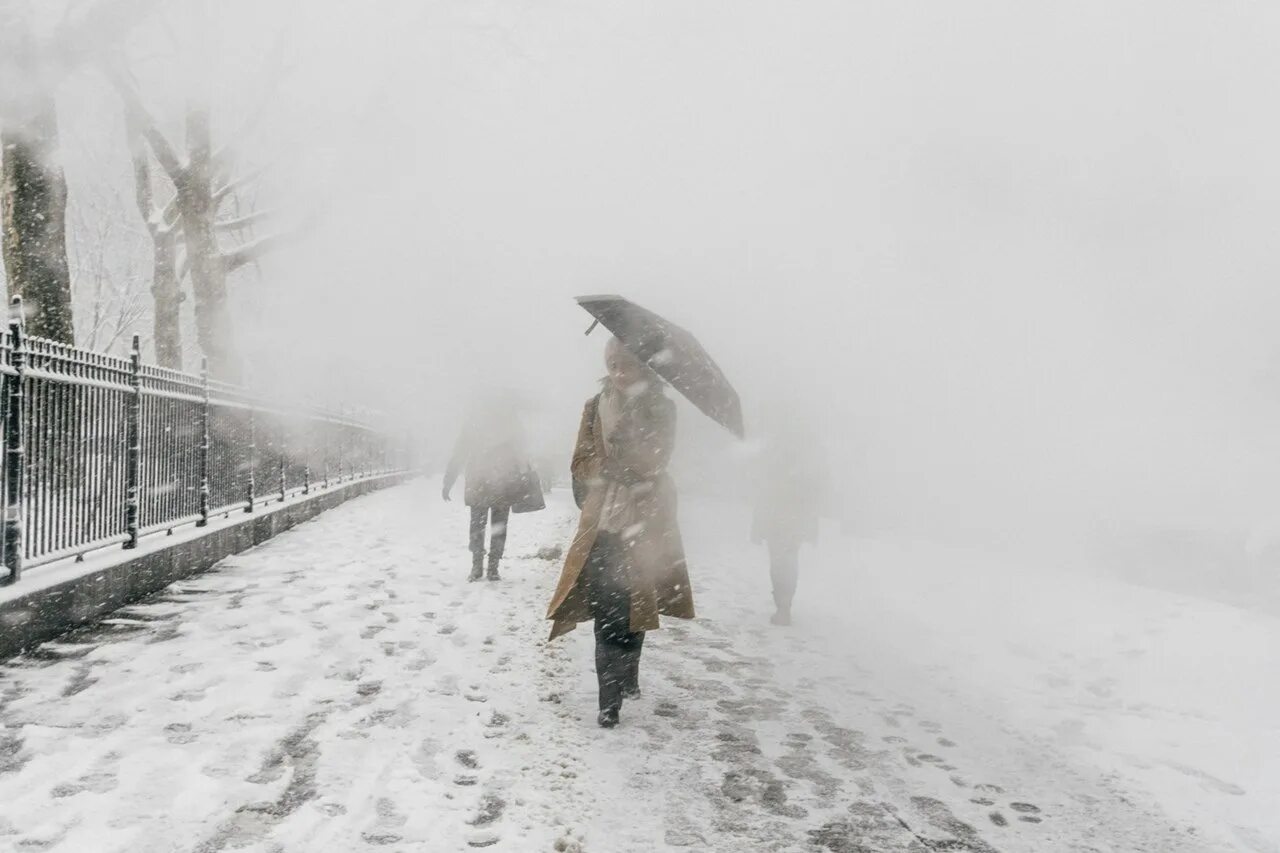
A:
{"x": 343, "y": 688}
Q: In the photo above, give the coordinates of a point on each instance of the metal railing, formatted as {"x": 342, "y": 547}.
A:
{"x": 101, "y": 450}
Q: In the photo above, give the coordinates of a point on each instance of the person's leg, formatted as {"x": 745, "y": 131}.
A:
{"x": 616, "y": 645}
{"x": 479, "y": 518}
{"x": 498, "y": 519}
{"x": 631, "y": 683}
{"x": 784, "y": 567}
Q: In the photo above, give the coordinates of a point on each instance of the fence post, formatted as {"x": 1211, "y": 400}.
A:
{"x": 253, "y": 456}
{"x": 204, "y": 443}
{"x": 284, "y": 449}
{"x": 324, "y": 446}
{"x": 15, "y": 450}
{"x": 308, "y": 452}
{"x": 341, "y": 434}
{"x": 133, "y": 440}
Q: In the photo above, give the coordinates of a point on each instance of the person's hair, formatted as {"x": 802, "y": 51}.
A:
{"x": 615, "y": 345}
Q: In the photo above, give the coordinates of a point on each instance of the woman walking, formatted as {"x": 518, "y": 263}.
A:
{"x": 490, "y": 454}
{"x": 626, "y": 565}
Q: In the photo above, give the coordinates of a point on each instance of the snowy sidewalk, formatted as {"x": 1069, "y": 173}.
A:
{"x": 343, "y": 688}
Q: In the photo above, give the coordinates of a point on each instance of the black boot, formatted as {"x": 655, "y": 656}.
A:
{"x": 609, "y": 674}
{"x": 493, "y": 568}
{"x": 631, "y": 674}
{"x": 477, "y": 566}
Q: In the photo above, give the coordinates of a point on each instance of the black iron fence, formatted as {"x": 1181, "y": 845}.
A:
{"x": 101, "y": 450}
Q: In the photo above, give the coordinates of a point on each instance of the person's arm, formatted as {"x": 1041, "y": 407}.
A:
{"x": 585, "y": 465}
{"x": 456, "y": 461}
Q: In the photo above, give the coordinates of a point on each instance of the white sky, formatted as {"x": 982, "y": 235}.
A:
{"x": 1021, "y": 255}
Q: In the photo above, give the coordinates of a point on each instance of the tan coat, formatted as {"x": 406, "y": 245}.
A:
{"x": 657, "y": 573}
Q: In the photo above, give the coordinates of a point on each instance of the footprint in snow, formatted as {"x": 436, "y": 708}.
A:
{"x": 491, "y": 809}
{"x": 380, "y": 838}
{"x": 187, "y": 696}
{"x": 1029, "y": 812}
{"x": 179, "y": 733}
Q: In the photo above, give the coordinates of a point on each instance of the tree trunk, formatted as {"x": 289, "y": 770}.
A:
{"x": 204, "y": 259}
{"x": 33, "y": 195}
{"x": 167, "y": 293}
{"x": 213, "y": 319}
{"x": 166, "y": 289}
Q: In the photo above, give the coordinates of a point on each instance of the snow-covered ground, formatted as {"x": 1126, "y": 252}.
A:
{"x": 343, "y": 688}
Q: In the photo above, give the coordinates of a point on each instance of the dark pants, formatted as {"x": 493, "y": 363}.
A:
{"x": 617, "y": 646}
{"x": 784, "y": 569}
{"x": 610, "y": 594}
{"x": 486, "y": 516}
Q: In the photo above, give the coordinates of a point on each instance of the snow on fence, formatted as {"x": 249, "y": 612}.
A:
{"x": 100, "y": 450}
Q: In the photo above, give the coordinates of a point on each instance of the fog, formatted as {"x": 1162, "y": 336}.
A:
{"x": 1003, "y": 273}
{"x": 1016, "y": 261}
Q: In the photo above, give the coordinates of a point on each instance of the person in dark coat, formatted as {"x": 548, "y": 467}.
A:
{"x": 626, "y": 564}
{"x": 490, "y": 455}
{"x": 791, "y": 485}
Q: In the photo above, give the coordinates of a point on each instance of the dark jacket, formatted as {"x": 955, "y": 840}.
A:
{"x": 491, "y": 459}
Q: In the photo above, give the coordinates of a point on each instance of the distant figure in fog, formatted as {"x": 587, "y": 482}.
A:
{"x": 626, "y": 564}
{"x": 790, "y": 492}
{"x": 490, "y": 455}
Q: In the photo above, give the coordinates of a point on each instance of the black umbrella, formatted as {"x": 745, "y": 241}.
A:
{"x": 672, "y": 353}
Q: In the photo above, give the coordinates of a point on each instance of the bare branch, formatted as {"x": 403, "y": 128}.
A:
{"x": 231, "y": 186}
{"x": 244, "y": 221}
{"x": 141, "y": 174}
{"x": 252, "y": 251}
{"x": 145, "y": 125}
{"x": 169, "y": 220}
{"x": 199, "y": 144}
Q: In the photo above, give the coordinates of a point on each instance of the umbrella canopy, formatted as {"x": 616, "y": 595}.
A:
{"x": 672, "y": 353}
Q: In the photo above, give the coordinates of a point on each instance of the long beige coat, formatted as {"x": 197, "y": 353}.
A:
{"x": 657, "y": 573}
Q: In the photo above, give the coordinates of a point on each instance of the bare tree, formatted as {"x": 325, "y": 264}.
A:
{"x": 33, "y": 188}
{"x": 203, "y": 183}
{"x": 162, "y": 226}
{"x": 33, "y": 196}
